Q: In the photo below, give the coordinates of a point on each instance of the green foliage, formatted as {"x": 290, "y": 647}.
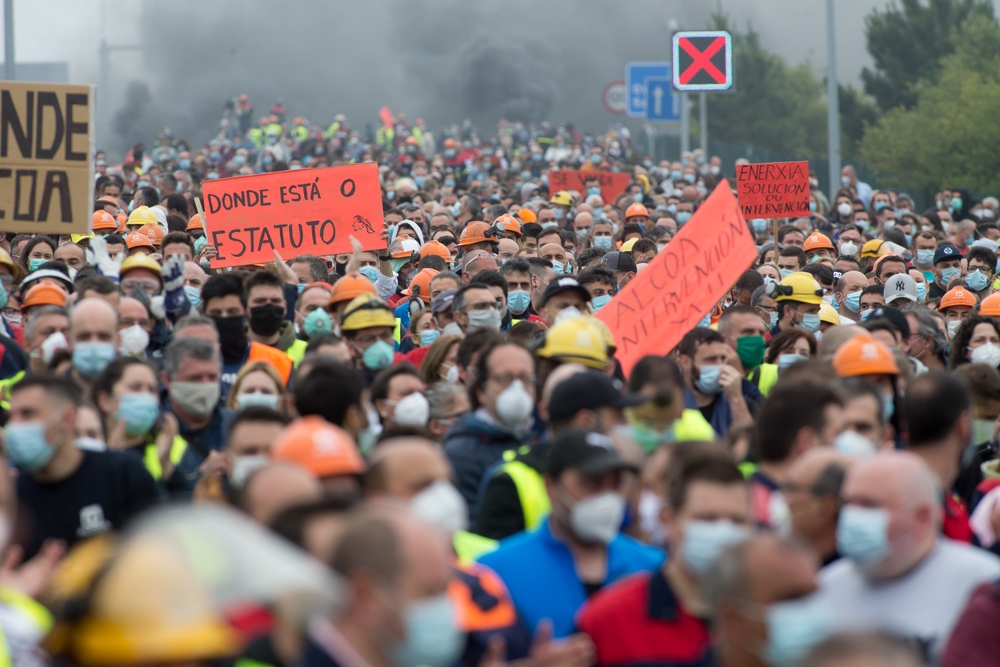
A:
{"x": 857, "y": 111}
{"x": 950, "y": 137}
{"x": 907, "y": 43}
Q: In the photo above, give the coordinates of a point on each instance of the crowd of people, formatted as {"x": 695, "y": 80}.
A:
{"x": 438, "y": 432}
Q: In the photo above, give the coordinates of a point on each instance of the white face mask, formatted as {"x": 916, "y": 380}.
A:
{"x": 411, "y": 410}
{"x": 853, "y": 443}
{"x": 133, "y": 340}
{"x": 988, "y": 354}
{"x": 441, "y": 506}
{"x": 952, "y": 326}
{"x": 514, "y": 405}
{"x": 244, "y": 466}
{"x": 849, "y": 248}
{"x": 598, "y": 518}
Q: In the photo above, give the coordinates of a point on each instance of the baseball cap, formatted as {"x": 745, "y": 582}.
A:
{"x": 900, "y": 287}
{"x": 888, "y": 317}
{"x": 560, "y": 285}
{"x": 442, "y": 301}
{"x": 619, "y": 261}
{"x": 587, "y": 391}
{"x": 946, "y": 252}
{"x": 590, "y": 452}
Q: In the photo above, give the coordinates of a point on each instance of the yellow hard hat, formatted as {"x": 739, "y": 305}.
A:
{"x": 627, "y": 246}
{"x": 9, "y": 263}
{"x": 828, "y": 314}
{"x": 141, "y": 216}
{"x": 76, "y": 238}
{"x": 799, "y": 286}
{"x": 562, "y": 198}
{"x": 140, "y": 262}
{"x": 365, "y": 312}
{"x": 873, "y": 248}
{"x": 576, "y": 340}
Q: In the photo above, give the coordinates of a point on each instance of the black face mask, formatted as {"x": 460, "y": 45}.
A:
{"x": 341, "y": 269}
{"x": 266, "y": 320}
{"x": 232, "y": 337}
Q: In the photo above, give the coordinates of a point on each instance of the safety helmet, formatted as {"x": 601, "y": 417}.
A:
{"x": 562, "y": 198}
{"x": 76, "y": 238}
{"x": 627, "y": 246}
{"x": 140, "y": 262}
{"x": 103, "y": 221}
{"x": 450, "y": 143}
{"x": 476, "y": 232}
{"x": 5, "y": 260}
{"x": 365, "y": 312}
{"x": 411, "y": 141}
{"x": 636, "y": 210}
{"x": 873, "y": 249}
{"x": 990, "y": 306}
{"x": 422, "y": 281}
{"x": 137, "y": 240}
{"x": 575, "y": 340}
{"x": 194, "y": 223}
{"x": 435, "y": 249}
{"x": 350, "y": 287}
{"x": 507, "y": 223}
{"x": 799, "y": 286}
{"x": 527, "y": 215}
{"x": 957, "y": 296}
{"x": 141, "y": 216}
{"x": 154, "y": 233}
{"x": 122, "y": 222}
{"x": 299, "y": 120}
{"x": 828, "y": 314}
{"x": 320, "y": 447}
{"x": 43, "y": 294}
{"x": 863, "y": 355}
{"x": 817, "y": 241}
{"x": 403, "y": 248}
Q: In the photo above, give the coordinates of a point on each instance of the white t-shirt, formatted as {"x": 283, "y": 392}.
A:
{"x": 923, "y": 604}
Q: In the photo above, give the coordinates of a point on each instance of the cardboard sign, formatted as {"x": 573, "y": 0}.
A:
{"x": 300, "y": 212}
{"x": 613, "y": 183}
{"x": 773, "y": 189}
{"x": 683, "y": 282}
{"x": 46, "y": 157}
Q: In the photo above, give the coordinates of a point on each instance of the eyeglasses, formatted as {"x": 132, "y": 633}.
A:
{"x": 368, "y": 339}
{"x": 505, "y": 380}
{"x": 485, "y": 305}
{"x": 149, "y": 286}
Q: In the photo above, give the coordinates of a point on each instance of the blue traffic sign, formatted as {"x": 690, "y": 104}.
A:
{"x": 661, "y": 102}
{"x": 635, "y": 84}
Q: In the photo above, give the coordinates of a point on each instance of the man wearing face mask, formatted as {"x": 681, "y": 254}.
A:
{"x": 947, "y": 267}
{"x": 93, "y": 340}
{"x": 267, "y": 306}
{"x": 397, "y": 394}
{"x": 848, "y": 296}
{"x": 66, "y": 493}
{"x": 812, "y": 490}
{"x": 367, "y": 325}
{"x": 579, "y": 549}
{"x": 712, "y": 385}
{"x": 798, "y": 299}
{"x": 474, "y": 307}
{"x": 623, "y": 265}
{"x": 563, "y": 298}
{"x": 661, "y": 617}
{"x": 889, "y": 535}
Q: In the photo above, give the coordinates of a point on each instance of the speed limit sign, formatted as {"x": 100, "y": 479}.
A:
{"x": 614, "y": 97}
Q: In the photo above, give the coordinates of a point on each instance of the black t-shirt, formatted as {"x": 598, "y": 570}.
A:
{"x": 105, "y": 491}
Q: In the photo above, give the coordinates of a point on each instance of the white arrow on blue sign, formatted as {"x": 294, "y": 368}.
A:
{"x": 661, "y": 102}
{"x": 635, "y": 83}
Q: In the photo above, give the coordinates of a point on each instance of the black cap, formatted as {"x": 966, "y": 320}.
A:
{"x": 588, "y": 391}
{"x": 888, "y": 317}
{"x": 589, "y": 452}
{"x": 560, "y": 285}
{"x": 946, "y": 252}
{"x": 619, "y": 261}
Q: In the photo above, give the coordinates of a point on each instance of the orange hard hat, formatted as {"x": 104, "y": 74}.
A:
{"x": 411, "y": 141}
{"x": 137, "y": 240}
{"x": 527, "y": 215}
{"x": 320, "y": 447}
{"x": 103, "y": 222}
{"x": 350, "y": 287}
{"x": 403, "y": 247}
{"x": 435, "y": 249}
{"x": 450, "y": 143}
{"x": 243, "y": 97}
{"x": 475, "y": 232}
{"x": 990, "y": 306}
{"x": 153, "y": 232}
{"x": 423, "y": 281}
{"x": 44, "y": 294}
{"x": 509, "y": 222}
{"x": 636, "y": 210}
{"x": 122, "y": 221}
{"x": 863, "y": 355}
{"x": 817, "y": 241}
{"x": 957, "y": 296}
{"x": 194, "y": 222}
{"x": 299, "y": 120}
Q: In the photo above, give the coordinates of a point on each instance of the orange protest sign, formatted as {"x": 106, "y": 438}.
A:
{"x": 300, "y": 212}
{"x": 773, "y": 189}
{"x": 683, "y": 282}
{"x": 612, "y": 183}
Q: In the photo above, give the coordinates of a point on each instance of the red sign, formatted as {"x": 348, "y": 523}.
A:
{"x": 773, "y": 189}
{"x": 612, "y": 183}
{"x": 300, "y": 212}
{"x": 683, "y": 282}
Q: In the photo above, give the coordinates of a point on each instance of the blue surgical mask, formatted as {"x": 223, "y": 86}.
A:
{"x": 812, "y": 207}
{"x": 786, "y": 272}
{"x": 428, "y": 336}
{"x": 925, "y": 257}
{"x": 689, "y": 177}
{"x": 548, "y": 224}
{"x": 708, "y": 379}
{"x": 518, "y": 301}
{"x": 560, "y": 214}
{"x": 91, "y": 358}
{"x": 675, "y": 175}
{"x": 786, "y": 360}
{"x": 595, "y": 158}
{"x": 558, "y": 268}
{"x": 433, "y": 637}
{"x": 863, "y": 534}
{"x": 257, "y": 398}
{"x": 185, "y": 163}
{"x": 602, "y": 242}
{"x": 704, "y": 541}
{"x": 759, "y": 225}
{"x": 193, "y": 295}
{"x": 810, "y": 322}
{"x": 956, "y": 203}
{"x": 949, "y": 274}
{"x": 317, "y": 323}
{"x": 921, "y": 291}
{"x": 140, "y": 410}
{"x": 794, "y": 627}
{"x": 600, "y": 301}
{"x": 976, "y": 280}
{"x": 582, "y": 233}
{"x": 683, "y": 216}
{"x": 865, "y": 314}
{"x": 853, "y": 301}
{"x": 888, "y": 406}
{"x": 705, "y": 321}
{"x": 35, "y": 262}
{"x": 773, "y": 317}
{"x": 27, "y": 447}
{"x": 378, "y": 355}
{"x": 879, "y": 205}
{"x": 593, "y": 191}
{"x": 369, "y": 272}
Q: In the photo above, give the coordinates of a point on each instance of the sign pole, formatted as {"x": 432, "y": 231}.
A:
{"x": 703, "y": 121}
{"x": 832, "y": 104}
{"x": 8, "y": 41}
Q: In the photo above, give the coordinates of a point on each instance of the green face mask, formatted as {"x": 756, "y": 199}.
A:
{"x": 751, "y": 351}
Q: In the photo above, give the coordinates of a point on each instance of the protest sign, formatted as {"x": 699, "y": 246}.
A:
{"x": 300, "y": 212}
{"x": 46, "y": 157}
{"x": 683, "y": 282}
{"x": 773, "y": 189}
{"x": 613, "y": 183}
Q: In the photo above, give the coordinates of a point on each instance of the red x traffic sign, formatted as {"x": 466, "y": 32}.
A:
{"x": 703, "y": 60}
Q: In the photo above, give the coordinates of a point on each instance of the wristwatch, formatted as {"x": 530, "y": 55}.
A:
{"x": 384, "y": 258}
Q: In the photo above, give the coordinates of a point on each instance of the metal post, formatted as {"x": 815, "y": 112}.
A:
{"x": 703, "y": 121}
{"x": 685, "y": 111}
{"x": 9, "y": 72}
{"x": 832, "y": 104}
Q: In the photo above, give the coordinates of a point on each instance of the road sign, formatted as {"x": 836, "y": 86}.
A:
{"x": 661, "y": 103}
{"x": 614, "y": 97}
{"x": 635, "y": 81}
{"x": 703, "y": 61}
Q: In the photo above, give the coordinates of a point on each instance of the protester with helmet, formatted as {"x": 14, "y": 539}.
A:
{"x": 367, "y": 325}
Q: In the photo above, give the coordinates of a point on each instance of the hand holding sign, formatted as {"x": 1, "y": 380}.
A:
{"x": 683, "y": 282}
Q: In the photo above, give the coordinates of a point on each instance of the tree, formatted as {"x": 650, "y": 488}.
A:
{"x": 857, "y": 112}
{"x": 950, "y": 136}
{"x": 907, "y": 44}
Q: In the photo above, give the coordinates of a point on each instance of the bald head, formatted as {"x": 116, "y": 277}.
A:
{"x": 194, "y": 275}
{"x": 276, "y": 487}
{"x": 482, "y": 263}
{"x": 403, "y": 467}
{"x": 93, "y": 320}
{"x": 133, "y": 309}
{"x": 583, "y": 218}
{"x": 807, "y": 469}
{"x": 585, "y": 208}
{"x": 834, "y": 337}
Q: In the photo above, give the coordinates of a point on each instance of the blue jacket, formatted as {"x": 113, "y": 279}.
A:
{"x": 541, "y": 576}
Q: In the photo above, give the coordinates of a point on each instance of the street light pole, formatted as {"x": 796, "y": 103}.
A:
{"x": 832, "y": 104}
{"x": 9, "y": 72}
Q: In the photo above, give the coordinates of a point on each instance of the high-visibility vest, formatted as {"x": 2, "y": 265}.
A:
{"x": 152, "y": 459}
{"x": 530, "y": 486}
{"x": 469, "y": 546}
{"x": 272, "y": 355}
{"x": 692, "y": 426}
{"x": 296, "y": 351}
{"x": 748, "y": 468}
{"x": 5, "y": 389}
{"x": 481, "y": 599}
{"x": 33, "y": 612}
{"x": 764, "y": 377}
{"x": 396, "y": 330}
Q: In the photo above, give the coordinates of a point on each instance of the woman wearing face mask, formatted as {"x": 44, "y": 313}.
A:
{"x": 789, "y": 347}
{"x": 39, "y": 250}
{"x": 423, "y": 332}
{"x": 976, "y": 341}
{"x": 126, "y": 394}
{"x": 257, "y": 383}
{"x": 440, "y": 363}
